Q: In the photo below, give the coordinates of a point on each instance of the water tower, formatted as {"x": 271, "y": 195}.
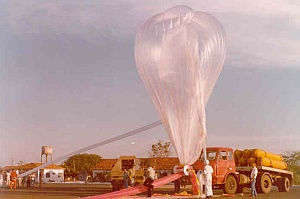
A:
{"x": 46, "y": 150}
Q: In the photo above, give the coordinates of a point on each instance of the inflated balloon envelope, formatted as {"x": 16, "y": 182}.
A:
{"x": 179, "y": 55}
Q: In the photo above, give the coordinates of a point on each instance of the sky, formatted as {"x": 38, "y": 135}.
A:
{"x": 68, "y": 77}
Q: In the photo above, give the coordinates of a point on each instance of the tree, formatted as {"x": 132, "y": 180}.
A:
{"x": 160, "y": 150}
{"x": 80, "y": 162}
{"x": 292, "y": 159}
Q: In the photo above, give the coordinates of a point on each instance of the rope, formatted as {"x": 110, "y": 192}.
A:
{"x": 93, "y": 146}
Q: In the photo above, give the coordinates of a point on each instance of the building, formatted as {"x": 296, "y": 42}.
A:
{"x": 162, "y": 166}
{"x": 51, "y": 173}
{"x": 102, "y": 170}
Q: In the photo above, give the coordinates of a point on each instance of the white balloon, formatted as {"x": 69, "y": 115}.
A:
{"x": 179, "y": 55}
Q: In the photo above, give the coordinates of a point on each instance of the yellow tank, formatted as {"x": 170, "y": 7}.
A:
{"x": 243, "y": 161}
{"x": 238, "y": 153}
{"x": 257, "y": 153}
{"x": 247, "y": 153}
{"x": 250, "y": 160}
{"x": 268, "y": 162}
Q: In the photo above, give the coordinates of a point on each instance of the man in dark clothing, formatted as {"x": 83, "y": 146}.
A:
{"x": 177, "y": 185}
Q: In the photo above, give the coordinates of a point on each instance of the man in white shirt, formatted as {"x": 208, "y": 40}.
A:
{"x": 131, "y": 174}
{"x": 150, "y": 177}
{"x": 208, "y": 170}
{"x": 253, "y": 180}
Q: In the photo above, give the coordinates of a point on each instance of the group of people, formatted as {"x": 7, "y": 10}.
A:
{"x": 10, "y": 179}
{"x": 204, "y": 178}
{"x": 13, "y": 181}
{"x": 149, "y": 178}
{"x": 129, "y": 177}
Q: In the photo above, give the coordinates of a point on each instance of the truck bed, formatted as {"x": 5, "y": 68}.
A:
{"x": 264, "y": 168}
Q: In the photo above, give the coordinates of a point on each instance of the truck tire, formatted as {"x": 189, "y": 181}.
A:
{"x": 264, "y": 183}
{"x": 230, "y": 185}
{"x": 284, "y": 184}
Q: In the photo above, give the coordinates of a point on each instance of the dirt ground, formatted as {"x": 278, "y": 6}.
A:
{"x": 72, "y": 191}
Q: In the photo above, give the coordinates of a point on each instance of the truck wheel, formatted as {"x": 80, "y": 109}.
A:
{"x": 264, "y": 183}
{"x": 230, "y": 186}
{"x": 284, "y": 184}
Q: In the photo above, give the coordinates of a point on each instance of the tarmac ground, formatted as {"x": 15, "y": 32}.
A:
{"x": 73, "y": 191}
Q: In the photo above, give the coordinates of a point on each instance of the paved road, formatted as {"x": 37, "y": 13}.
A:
{"x": 72, "y": 191}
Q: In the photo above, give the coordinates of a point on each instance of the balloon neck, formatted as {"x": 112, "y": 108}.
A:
{"x": 187, "y": 169}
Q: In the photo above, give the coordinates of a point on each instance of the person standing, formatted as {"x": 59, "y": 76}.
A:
{"x": 32, "y": 180}
{"x": 253, "y": 176}
{"x": 1, "y": 178}
{"x": 131, "y": 174}
{"x": 7, "y": 178}
{"x": 125, "y": 178}
{"x": 208, "y": 170}
{"x": 28, "y": 178}
{"x": 13, "y": 179}
{"x": 150, "y": 176}
{"x": 176, "y": 169}
{"x": 200, "y": 178}
{"x": 177, "y": 185}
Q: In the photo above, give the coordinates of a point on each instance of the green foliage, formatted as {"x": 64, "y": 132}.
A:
{"x": 160, "y": 150}
{"x": 80, "y": 162}
{"x": 292, "y": 159}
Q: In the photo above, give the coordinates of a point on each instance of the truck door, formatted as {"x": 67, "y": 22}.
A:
{"x": 223, "y": 165}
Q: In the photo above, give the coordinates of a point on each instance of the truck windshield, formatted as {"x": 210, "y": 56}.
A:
{"x": 211, "y": 155}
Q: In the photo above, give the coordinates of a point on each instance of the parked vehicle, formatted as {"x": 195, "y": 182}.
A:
{"x": 117, "y": 172}
{"x": 232, "y": 174}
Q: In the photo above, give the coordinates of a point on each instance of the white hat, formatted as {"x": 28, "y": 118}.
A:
{"x": 206, "y": 162}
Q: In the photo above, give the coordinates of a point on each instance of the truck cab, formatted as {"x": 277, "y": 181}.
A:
{"x": 222, "y": 161}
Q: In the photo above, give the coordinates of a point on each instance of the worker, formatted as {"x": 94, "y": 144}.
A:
{"x": 28, "y": 180}
{"x": 13, "y": 179}
{"x": 177, "y": 185}
{"x": 253, "y": 176}
{"x": 208, "y": 170}
{"x": 7, "y": 178}
{"x": 1, "y": 178}
{"x": 150, "y": 176}
{"x": 125, "y": 178}
{"x": 200, "y": 177}
{"x": 131, "y": 174}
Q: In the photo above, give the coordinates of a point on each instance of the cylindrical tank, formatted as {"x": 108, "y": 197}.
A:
{"x": 243, "y": 161}
{"x": 244, "y": 179}
{"x": 238, "y": 153}
{"x": 268, "y": 162}
{"x": 47, "y": 150}
{"x": 247, "y": 153}
{"x": 250, "y": 160}
{"x": 257, "y": 153}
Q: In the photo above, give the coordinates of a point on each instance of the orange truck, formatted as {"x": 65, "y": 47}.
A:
{"x": 232, "y": 169}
